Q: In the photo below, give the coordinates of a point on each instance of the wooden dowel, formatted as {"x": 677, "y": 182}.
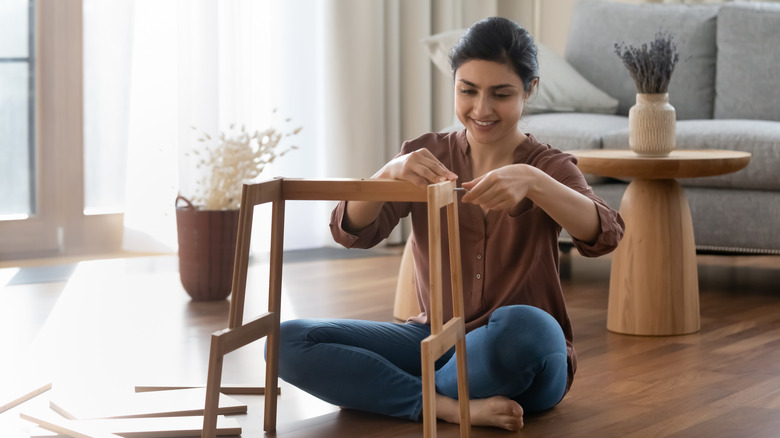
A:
{"x": 227, "y": 389}
{"x": 65, "y": 426}
{"x": 274, "y": 308}
{"x": 25, "y": 395}
{"x": 233, "y": 339}
{"x": 440, "y": 343}
{"x": 352, "y": 190}
{"x": 434, "y": 262}
{"x": 428, "y": 390}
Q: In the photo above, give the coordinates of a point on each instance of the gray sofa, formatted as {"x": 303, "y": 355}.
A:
{"x": 725, "y": 89}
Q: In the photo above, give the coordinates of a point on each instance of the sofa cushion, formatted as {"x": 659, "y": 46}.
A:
{"x": 567, "y": 131}
{"x": 760, "y": 138}
{"x": 561, "y": 87}
{"x": 748, "y": 59}
{"x": 735, "y": 220}
{"x": 723, "y": 220}
{"x": 596, "y": 27}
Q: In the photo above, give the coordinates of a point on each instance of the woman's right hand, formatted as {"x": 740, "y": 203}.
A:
{"x": 420, "y": 167}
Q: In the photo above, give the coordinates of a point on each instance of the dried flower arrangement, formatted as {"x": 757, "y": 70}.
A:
{"x": 233, "y": 157}
{"x": 650, "y": 67}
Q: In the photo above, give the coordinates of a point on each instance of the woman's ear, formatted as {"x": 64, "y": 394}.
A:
{"x": 534, "y": 87}
{"x": 533, "y": 92}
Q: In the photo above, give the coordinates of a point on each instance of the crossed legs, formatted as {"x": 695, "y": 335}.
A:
{"x": 516, "y": 362}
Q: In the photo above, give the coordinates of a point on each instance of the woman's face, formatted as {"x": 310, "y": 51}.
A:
{"x": 489, "y": 100}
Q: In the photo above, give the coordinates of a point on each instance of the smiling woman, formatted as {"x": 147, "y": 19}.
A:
{"x": 495, "y": 70}
{"x": 520, "y": 193}
{"x": 489, "y": 100}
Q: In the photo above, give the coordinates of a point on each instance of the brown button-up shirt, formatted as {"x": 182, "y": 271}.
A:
{"x": 508, "y": 257}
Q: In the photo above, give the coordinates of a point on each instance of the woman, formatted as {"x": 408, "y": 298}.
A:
{"x": 519, "y": 194}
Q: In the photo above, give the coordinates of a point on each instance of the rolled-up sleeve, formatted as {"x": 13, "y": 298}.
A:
{"x": 611, "y": 226}
{"x": 372, "y": 234}
{"x": 610, "y": 232}
{"x": 343, "y": 238}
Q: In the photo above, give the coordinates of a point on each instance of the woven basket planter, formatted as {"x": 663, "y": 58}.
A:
{"x": 207, "y": 246}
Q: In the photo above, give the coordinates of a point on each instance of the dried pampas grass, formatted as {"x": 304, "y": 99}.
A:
{"x": 234, "y": 157}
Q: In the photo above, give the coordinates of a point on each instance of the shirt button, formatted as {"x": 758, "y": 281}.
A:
{"x": 479, "y": 276}
{"x": 479, "y": 256}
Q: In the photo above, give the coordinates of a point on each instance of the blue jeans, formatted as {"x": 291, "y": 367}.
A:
{"x": 376, "y": 366}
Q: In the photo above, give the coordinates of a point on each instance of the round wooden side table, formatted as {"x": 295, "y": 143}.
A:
{"x": 654, "y": 283}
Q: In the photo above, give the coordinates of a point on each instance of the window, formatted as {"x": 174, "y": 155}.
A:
{"x": 17, "y": 109}
{"x": 42, "y": 159}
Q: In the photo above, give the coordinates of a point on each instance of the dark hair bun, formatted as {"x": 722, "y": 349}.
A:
{"x": 499, "y": 40}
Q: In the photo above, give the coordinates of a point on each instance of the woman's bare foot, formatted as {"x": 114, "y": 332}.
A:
{"x": 496, "y": 411}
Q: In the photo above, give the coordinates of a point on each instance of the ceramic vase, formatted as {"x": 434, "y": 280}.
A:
{"x": 651, "y": 125}
{"x": 207, "y": 246}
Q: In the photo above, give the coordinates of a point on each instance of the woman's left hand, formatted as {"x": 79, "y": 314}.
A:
{"x": 503, "y": 188}
{"x": 500, "y": 189}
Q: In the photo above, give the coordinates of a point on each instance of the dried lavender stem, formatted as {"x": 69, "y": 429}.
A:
{"x": 650, "y": 67}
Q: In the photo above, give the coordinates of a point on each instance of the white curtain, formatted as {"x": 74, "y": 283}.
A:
{"x": 352, "y": 73}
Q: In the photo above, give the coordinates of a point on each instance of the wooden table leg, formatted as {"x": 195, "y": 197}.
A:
{"x": 654, "y": 284}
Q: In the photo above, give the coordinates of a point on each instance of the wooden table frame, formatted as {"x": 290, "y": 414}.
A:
{"x": 239, "y": 334}
{"x": 654, "y": 283}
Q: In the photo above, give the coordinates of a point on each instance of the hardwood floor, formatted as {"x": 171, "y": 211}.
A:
{"x": 97, "y": 328}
